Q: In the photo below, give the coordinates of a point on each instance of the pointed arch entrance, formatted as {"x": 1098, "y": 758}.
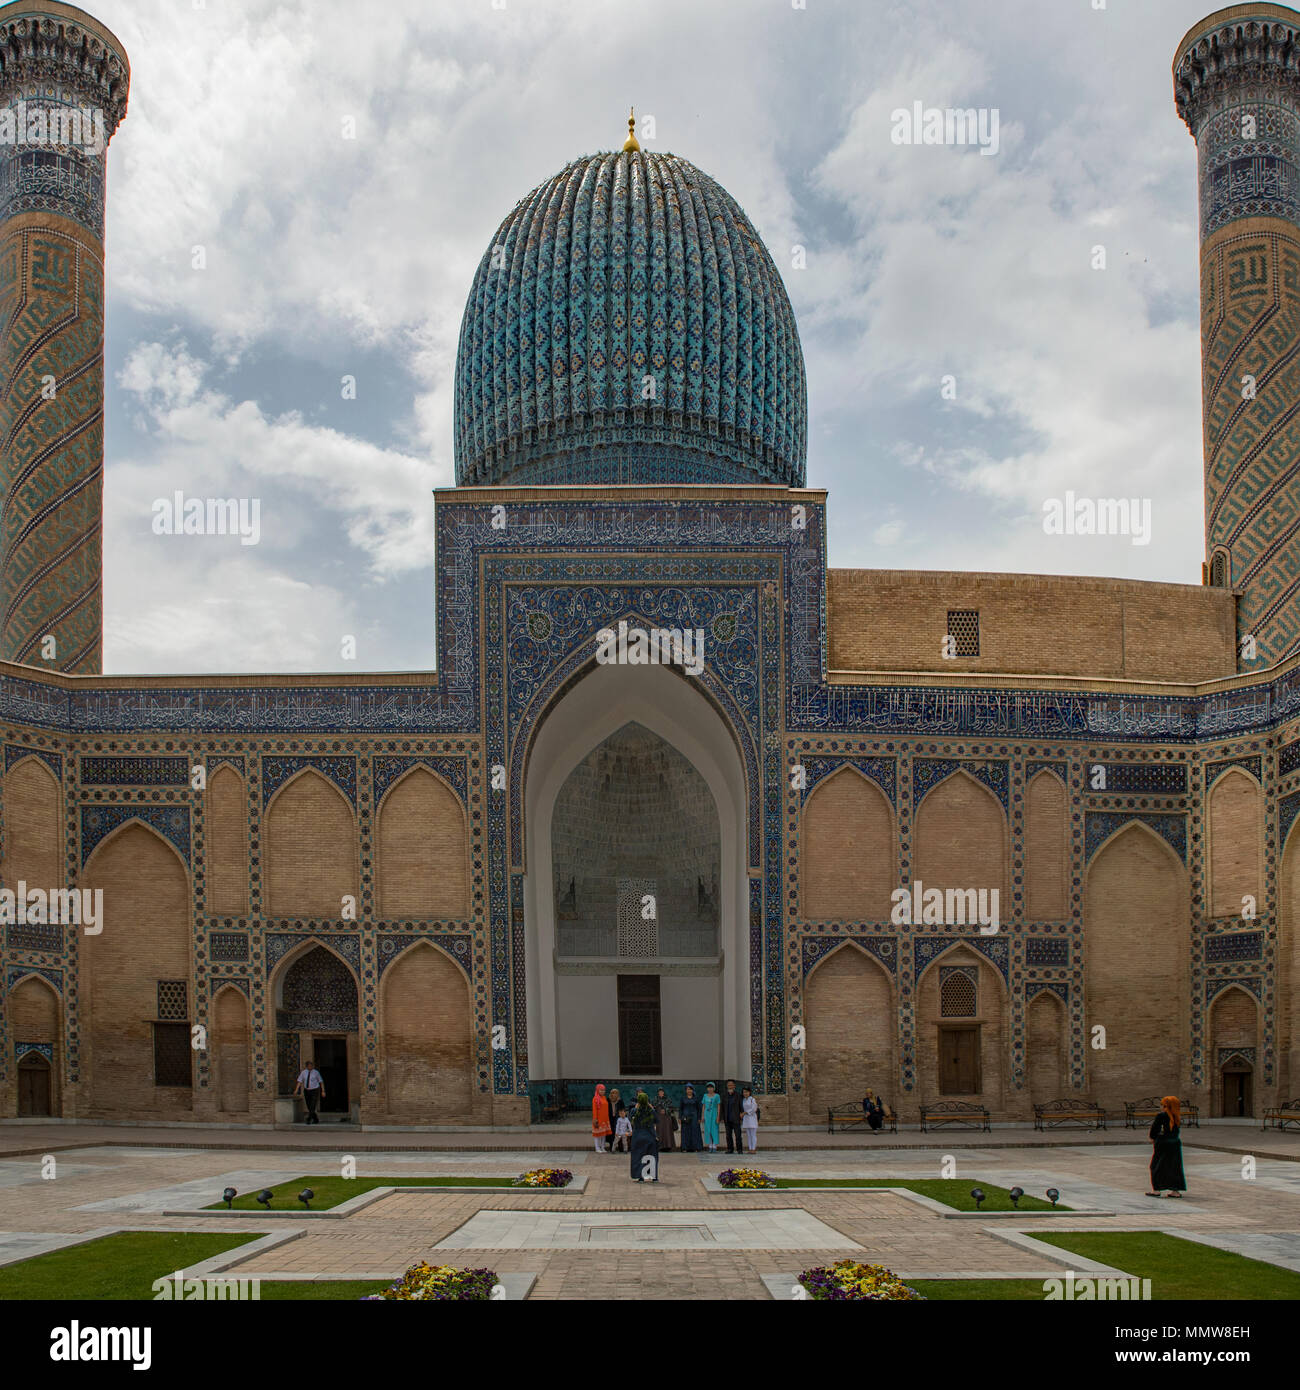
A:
{"x": 703, "y": 999}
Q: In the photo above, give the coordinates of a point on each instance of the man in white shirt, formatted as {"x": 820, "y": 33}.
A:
{"x": 312, "y": 1087}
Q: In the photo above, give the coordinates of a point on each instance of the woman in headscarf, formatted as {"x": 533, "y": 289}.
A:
{"x": 1167, "y": 1156}
{"x": 645, "y": 1146}
{"x": 665, "y": 1121}
{"x": 600, "y": 1125}
{"x": 614, "y": 1099}
{"x": 873, "y": 1110}
{"x": 712, "y": 1104}
{"x": 690, "y": 1116}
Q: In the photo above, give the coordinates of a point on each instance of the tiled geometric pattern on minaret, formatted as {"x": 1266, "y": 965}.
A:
{"x": 63, "y": 88}
{"x": 1237, "y": 85}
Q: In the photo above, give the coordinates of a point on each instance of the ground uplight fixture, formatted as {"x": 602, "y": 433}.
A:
{"x": 1016, "y": 1194}
{"x": 229, "y": 1196}
{"x": 978, "y": 1194}
{"x": 264, "y": 1196}
{"x": 1053, "y": 1195}
{"x": 305, "y": 1197}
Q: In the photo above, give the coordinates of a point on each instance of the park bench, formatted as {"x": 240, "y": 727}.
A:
{"x": 1052, "y": 1113}
{"x": 1141, "y": 1112}
{"x": 954, "y": 1112}
{"x": 850, "y": 1116}
{"x": 1280, "y": 1116}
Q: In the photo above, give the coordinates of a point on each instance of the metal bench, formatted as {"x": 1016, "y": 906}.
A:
{"x": 1141, "y": 1112}
{"x": 851, "y": 1116}
{"x": 1052, "y": 1113}
{"x": 1280, "y": 1116}
{"x": 954, "y": 1112}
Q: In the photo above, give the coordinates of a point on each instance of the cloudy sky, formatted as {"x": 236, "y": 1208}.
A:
{"x": 325, "y": 257}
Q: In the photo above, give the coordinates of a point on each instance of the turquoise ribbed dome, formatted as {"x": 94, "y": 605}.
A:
{"x": 621, "y": 269}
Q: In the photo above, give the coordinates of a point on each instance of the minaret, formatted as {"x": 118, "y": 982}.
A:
{"x": 63, "y": 89}
{"x": 1237, "y": 85}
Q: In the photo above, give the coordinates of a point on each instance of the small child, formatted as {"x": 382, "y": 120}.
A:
{"x": 622, "y": 1131}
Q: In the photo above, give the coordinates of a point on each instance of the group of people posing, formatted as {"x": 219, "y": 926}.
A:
{"x": 696, "y": 1123}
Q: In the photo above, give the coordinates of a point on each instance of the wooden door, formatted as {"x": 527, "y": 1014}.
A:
{"x": 959, "y": 1061}
{"x": 33, "y": 1085}
{"x": 640, "y": 1048}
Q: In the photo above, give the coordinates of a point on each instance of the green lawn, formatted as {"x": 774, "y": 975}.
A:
{"x": 1178, "y": 1269}
{"x": 305, "y": 1291}
{"x": 118, "y": 1266}
{"x": 952, "y": 1192}
{"x": 331, "y": 1191}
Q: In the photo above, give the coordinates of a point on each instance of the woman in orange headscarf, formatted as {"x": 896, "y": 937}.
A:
{"x": 600, "y": 1126}
{"x": 1167, "y": 1156}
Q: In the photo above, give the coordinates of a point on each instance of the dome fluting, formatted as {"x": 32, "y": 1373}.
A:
{"x": 627, "y": 325}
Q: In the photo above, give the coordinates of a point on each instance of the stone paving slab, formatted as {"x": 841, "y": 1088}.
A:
{"x": 23, "y": 1245}
{"x": 1229, "y": 1136}
{"x": 790, "y": 1229}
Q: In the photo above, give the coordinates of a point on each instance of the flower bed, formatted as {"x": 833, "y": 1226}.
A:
{"x": 544, "y": 1177}
{"x": 848, "y": 1280}
{"x": 426, "y": 1281}
{"x": 746, "y": 1177}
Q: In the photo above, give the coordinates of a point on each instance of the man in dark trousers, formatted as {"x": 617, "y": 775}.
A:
{"x": 312, "y": 1087}
{"x": 732, "y": 1114}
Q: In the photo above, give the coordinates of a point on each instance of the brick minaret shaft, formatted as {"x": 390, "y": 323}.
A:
{"x": 1237, "y": 85}
{"x": 63, "y": 90}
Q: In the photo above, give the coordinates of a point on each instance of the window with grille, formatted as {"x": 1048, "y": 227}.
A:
{"x": 964, "y": 629}
{"x": 957, "y": 995}
{"x": 171, "y": 1054}
{"x": 638, "y": 934}
{"x": 173, "y": 999}
{"x": 1219, "y": 569}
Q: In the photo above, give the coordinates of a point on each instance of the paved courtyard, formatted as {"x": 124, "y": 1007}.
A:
{"x": 619, "y": 1239}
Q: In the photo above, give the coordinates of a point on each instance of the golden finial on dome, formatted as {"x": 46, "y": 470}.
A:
{"x": 631, "y": 142}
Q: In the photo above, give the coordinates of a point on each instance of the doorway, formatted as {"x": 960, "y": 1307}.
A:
{"x": 959, "y": 1061}
{"x": 33, "y": 1086}
{"x": 640, "y": 1045}
{"x": 1238, "y": 1102}
{"x": 331, "y": 1060}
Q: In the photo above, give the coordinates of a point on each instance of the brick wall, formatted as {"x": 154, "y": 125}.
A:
{"x": 1047, "y": 849}
{"x": 892, "y": 620}
{"x": 227, "y": 858}
{"x": 231, "y": 1051}
{"x": 33, "y": 830}
{"x": 426, "y": 1039}
{"x": 1135, "y": 969}
{"x": 423, "y": 853}
{"x": 849, "y": 850}
{"x": 1236, "y": 818}
{"x": 851, "y": 1021}
{"x": 1046, "y": 1061}
{"x": 146, "y": 938}
{"x": 311, "y": 849}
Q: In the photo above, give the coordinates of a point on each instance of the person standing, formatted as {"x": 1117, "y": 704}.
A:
{"x": 690, "y": 1116}
{"x": 311, "y": 1086}
{"x": 712, "y": 1104}
{"x": 614, "y": 1100}
{"x": 645, "y": 1147}
{"x": 665, "y": 1121}
{"x": 622, "y": 1131}
{"x": 749, "y": 1119}
{"x": 1167, "y": 1155}
{"x": 732, "y": 1113}
{"x": 601, "y": 1128}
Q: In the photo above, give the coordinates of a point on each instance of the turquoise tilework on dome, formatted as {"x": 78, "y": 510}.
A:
{"x": 620, "y": 268}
